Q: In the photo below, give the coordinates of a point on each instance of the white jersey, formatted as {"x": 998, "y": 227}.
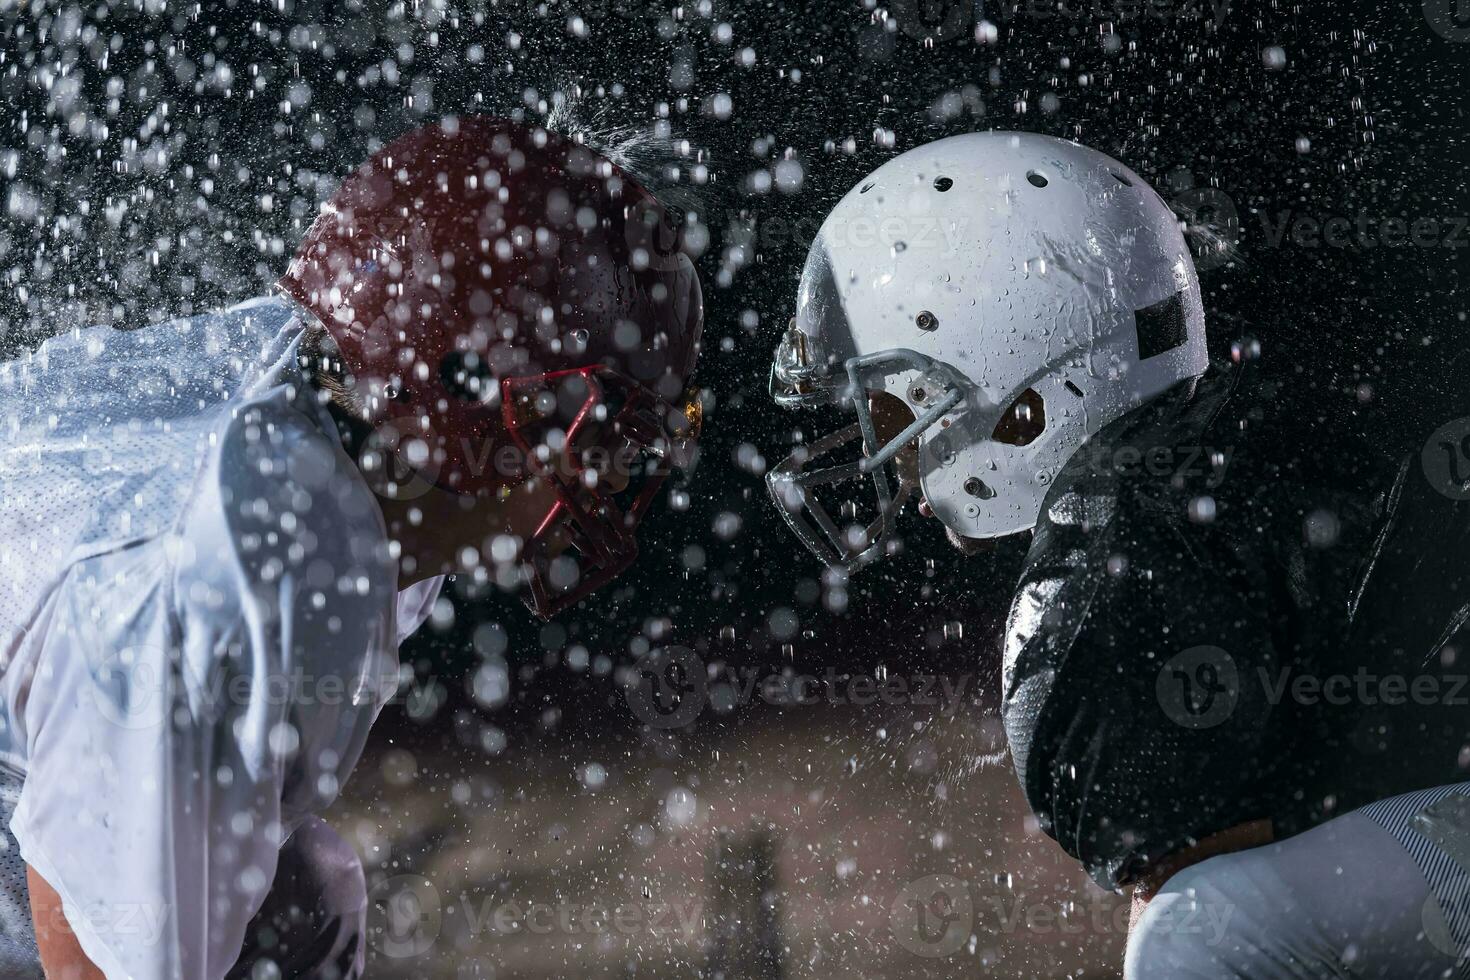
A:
{"x": 199, "y": 622}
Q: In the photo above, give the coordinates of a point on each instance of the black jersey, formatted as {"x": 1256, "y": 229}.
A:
{"x": 1214, "y": 626}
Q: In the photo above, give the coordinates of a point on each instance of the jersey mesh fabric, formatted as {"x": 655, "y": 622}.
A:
{"x": 200, "y": 623}
{"x": 101, "y": 435}
{"x": 18, "y": 957}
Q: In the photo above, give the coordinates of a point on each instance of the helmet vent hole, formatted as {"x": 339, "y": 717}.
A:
{"x": 926, "y": 321}
{"x": 866, "y": 187}
{"x": 1037, "y": 178}
{"x": 1120, "y": 178}
{"x": 977, "y": 487}
{"x": 1075, "y": 390}
{"x": 1023, "y": 422}
{"x": 942, "y": 184}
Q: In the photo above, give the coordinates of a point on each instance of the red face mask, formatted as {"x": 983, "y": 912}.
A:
{"x": 606, "y": 466}
{"x": 458, "y": 265}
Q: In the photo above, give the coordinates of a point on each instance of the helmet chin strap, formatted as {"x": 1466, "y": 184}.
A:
{"x": 969, "y": 546}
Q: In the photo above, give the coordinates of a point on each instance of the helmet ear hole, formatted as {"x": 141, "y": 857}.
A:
{"x": 1023, "y": 422}
{"x": 890, "y": 415}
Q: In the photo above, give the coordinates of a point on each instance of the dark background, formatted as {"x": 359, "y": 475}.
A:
{"x": 141, "y": 180}
{"x": 111, "y": 217}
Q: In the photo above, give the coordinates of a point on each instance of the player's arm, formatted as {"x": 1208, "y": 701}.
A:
{"x": 1133, "y": 640}
{"x": 61, "y": 955}
{"x": 1242, "y": 837}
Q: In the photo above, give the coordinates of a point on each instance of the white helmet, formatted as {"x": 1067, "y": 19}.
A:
{"x": 1017, "y": 293}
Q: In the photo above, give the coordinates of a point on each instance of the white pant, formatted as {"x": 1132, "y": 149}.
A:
{"x": 1382, "y": 893}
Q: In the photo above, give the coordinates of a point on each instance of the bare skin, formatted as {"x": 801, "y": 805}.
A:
{"x": 61, "y": 955}
{"x": 433, "y": 530}
{"x": 890, "y": 417}
{"x": 1241, "y": 837}
{"x": 432, "y": 527}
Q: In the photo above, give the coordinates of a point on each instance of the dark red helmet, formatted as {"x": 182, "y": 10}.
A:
{"x": 520, "y": 302}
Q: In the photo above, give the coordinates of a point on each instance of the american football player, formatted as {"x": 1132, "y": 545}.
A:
{"x": 215, "y": 532}
{"x": 1229, "y": 669}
